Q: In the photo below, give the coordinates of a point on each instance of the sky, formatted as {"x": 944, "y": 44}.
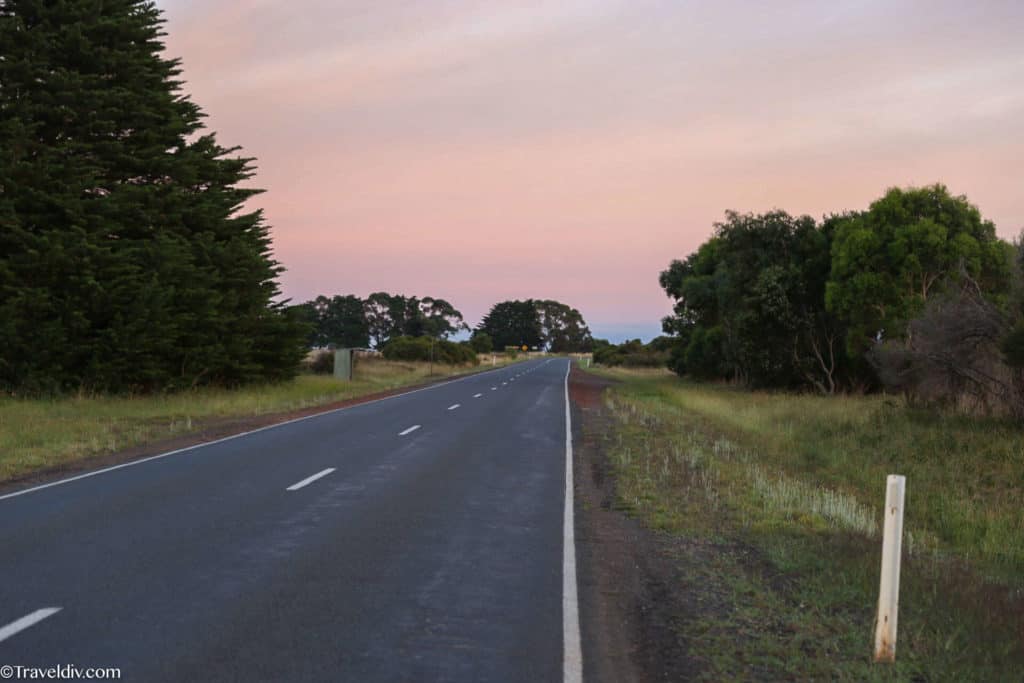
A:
{"x": 485, "y": 151}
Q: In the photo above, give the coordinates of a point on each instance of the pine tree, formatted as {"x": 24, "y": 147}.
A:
{"x": 126, "y": 260}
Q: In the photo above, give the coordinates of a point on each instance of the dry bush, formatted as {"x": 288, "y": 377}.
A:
{"x": 952, "y": 356}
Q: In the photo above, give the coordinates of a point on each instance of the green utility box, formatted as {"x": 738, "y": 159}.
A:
{"x": 344, "y": 363}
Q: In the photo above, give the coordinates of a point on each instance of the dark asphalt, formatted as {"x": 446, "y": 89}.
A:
{"x": 435, "y": 556}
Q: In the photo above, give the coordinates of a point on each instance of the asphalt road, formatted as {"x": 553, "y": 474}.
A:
{"x": 430, "y": 548}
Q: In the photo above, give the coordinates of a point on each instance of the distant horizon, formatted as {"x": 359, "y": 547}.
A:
{"x": 572, "y": 151}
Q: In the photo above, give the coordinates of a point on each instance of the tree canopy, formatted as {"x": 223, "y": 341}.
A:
{"x": 772, "y": 300}
{"x": 889, "y": 260}
{"x": 127, "y": 260}
{"x": 338, "y": 321}
{"x": 748, "y": 303}
{"x": 348, "y": 321}
{"x": 536, "y": 323}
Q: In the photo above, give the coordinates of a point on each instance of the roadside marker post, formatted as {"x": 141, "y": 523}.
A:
{"x": 889, "y": 586}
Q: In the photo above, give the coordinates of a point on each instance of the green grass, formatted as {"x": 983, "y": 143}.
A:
{"x": 42, "y": 434}
{"x": 788, "y": 490}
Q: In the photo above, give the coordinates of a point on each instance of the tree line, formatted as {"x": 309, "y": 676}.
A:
{"x": 349, "y": 321}
{"x": 916, "y": 293}
{"x": 381, "y": 320}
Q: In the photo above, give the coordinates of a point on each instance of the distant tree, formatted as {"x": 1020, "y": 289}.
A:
{"x": 381, "y": 325}
{"x": 343, "y": 322}
{"x": 537, "y": 323}
{"x": 631, "y": 353}
{"x": 127, "y": 262}
{"x": 393, "y": 315}
{"x": 440, "y": 318}
{"x": 481, "y": 342}
{"x": 337, "y": 321}
{"x": 563, "y": 328}
{"x": 661, "y": 343}
{"x": 888, "y": 261}
{"x": 513, "y": 323}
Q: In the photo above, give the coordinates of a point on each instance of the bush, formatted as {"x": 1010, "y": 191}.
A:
{"x": 482, "y": 342}
{"x": 958, "y": 352}
{"x": 633, "y": 354}
{"x": 422, "y": 348}
{"x": 322, "y": 363}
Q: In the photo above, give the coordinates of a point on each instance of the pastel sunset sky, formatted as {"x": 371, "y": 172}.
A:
{"x": 482, "y": 151}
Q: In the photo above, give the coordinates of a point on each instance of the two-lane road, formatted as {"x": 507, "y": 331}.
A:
{"x": 418, "y": 538}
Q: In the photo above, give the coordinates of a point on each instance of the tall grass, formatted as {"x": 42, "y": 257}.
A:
{"x": 779, "y": 497}
{"x": 830, "y": 456}
{"x": 42, "y": 434}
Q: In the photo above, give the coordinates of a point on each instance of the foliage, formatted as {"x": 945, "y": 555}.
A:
{"x": 389, "y": 316}
{"x": 632, "y": 353}
{"x": 536, "y": 323}
{"x": 888, "y": 261}
{"x": 429, "y": 349}
{"x": 336, "y": 322}
{"x": 775, "y": 301}
{"x": 562, "y": 328}
{"x": 749, "y": 304}
{"x": 952, "y": 355}
{"x": 439, "y": 318}
{"x": 513, "y": 323}
{"x": 127, "y": 262}
{"x": 481, "y": 342}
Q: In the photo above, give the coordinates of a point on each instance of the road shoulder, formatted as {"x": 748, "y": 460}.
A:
{"x": 629, "y": 600}
{"x": 206, "y": 431}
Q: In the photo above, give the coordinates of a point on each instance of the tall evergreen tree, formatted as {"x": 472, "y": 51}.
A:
{"x": 126, "y": 260}
{"x": 513, "y": 323}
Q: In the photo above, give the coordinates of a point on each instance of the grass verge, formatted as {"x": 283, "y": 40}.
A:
{"x": 783, "y": 494}
{"x": 39, "y": 435}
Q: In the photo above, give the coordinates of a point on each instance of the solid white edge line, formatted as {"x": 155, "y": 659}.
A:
{"x": 309, "y": 480}
{"x": 454, "y": 406}
{"x": 26, "y": 621}
{"x": 572, "y": 659}
{"x": 410, "y": 430}
{"x": 197, "y": 446}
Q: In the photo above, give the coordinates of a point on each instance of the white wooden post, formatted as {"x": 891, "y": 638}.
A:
{"x": 889, "y": 588}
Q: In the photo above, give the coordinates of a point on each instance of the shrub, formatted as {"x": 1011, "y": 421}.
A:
{"x": 959, "y": 352}
{"x": 482, "y": 342}
{"x": 632, "y": 354}
{"x": 426, "y": 349}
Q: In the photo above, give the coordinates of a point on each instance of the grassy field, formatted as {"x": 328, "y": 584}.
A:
{"x": 42, "y": 434}
{"x": 783, "y": 494}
